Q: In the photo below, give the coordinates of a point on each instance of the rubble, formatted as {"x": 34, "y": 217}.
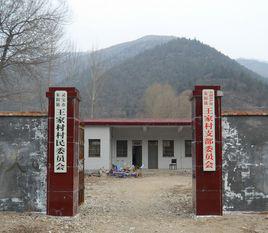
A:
{"x": 118, "y": 171}
{"x": 98, "y": 172}
{"x": 125, "y": 171}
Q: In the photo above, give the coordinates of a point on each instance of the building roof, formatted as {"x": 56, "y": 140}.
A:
{"x": 137, "y": 122}
{"x": 141, "y": 121}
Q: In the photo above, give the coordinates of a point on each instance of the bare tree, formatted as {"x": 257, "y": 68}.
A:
{"x": 29, "y": 30}
{"x": 96, "y": 79}
{"x": 184, "y": 104}
{"x": 160, "y": 101}
{"x": 72, "y": 65}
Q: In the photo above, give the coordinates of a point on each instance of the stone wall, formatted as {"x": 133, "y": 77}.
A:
{"x": 245, "y": 163}
{"x": 23, "y": 158}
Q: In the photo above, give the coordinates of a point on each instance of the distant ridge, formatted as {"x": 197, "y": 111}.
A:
{"x": 260, "y": 67}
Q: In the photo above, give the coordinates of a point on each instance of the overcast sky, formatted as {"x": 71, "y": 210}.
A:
{"x": 238, "y": 28}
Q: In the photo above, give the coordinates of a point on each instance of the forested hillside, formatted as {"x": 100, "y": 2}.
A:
{"x": 181, "y": 63}
{"x": 118, "y": 53}
{"x": 27, "y": 92}
{"x": 150, "y": 77}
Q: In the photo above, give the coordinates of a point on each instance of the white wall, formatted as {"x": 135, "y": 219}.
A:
{"x": 102, "y": 133}
{"x": 178, "y": 134}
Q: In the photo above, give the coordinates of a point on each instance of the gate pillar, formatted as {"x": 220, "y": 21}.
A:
{"x": 63, "y": 151}
{"x": 207, "y": 150}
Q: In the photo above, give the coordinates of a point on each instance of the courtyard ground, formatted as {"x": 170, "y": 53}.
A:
{"x": 159, "y": 202}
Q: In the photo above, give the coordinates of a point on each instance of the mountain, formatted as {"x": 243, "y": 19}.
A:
{"x": 107, "y": 57}
{"x": 259, "y": 67}
{"x": 70, "y": 69}
{"x": 130, "y": 69}
{"x": 182, "y": 63}
{"x": 120, "y": 52}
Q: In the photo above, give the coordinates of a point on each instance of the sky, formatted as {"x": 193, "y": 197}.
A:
{"x": 237, "y": 28}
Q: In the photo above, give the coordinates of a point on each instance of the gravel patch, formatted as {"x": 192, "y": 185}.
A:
{"x": 153, "y": 203}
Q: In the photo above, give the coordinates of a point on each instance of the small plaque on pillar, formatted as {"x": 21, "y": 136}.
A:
{"x": 208, "y": 103}
{"x": 60, "y": 132}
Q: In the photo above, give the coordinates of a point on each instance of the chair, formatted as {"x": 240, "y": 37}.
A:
{"x": 173, "y": 164}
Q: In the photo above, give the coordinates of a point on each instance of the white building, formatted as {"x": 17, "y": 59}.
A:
{"x": 153, "y": 143}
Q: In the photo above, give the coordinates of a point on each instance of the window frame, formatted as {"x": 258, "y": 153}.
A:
{"x": 126, "y": 154}
{"x": 166, "y": 155}
{"x": 188, "y": 155}
{"x": 94, "y": 155}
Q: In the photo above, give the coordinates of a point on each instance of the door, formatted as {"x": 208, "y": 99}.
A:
{"x": 137, "y": 153}
{"x": 153, "y": 154}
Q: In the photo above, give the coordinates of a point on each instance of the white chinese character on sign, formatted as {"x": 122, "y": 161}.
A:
{"x": 60, "y": 132}
{"x": 208, "y": 102}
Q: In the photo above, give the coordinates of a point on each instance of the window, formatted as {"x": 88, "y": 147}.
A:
{"x": 93, "y": 147}
{"x": 188, "y": 146}
{"x": 168, "y": 148}
{"x": 121, "y": 148}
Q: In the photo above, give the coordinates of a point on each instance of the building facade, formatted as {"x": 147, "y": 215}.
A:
{"x": 149, "y": 143}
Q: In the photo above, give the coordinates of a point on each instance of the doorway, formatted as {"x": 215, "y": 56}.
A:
{"x": 153, "y": 154}
{"x": 137, "y": 153}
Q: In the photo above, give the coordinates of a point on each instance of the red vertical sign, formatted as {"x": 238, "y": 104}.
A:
{"x": 208, "y": 103}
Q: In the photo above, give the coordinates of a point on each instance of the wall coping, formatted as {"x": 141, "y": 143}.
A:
{"x": 45, "y": 114}
{"x": 23, "y": 114}
{"x": 244, "y": 113}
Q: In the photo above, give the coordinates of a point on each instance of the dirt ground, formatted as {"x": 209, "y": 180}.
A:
{"x": 155, "y": 203}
